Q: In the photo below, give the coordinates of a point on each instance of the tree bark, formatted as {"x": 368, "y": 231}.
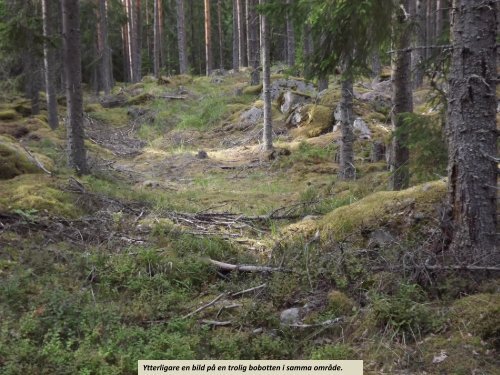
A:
{"x": 347, "y": 170}
{"x": 253, "y": 41}
{"x": 418, "y": 54}
{"x": 402, "y": 100}
{"x": 236, "y": 40}
{"x": 72, "y": 67}
{"x": 242, "y": 53}
{"x": 472, "y": 134}
{"x": 181, "y": 38}
{"x": 290, "y": 38}
{"x": 137, "y": 41}
{"x": 106, "y": 72}
{"x": 208, "y": 39}
{"x": 221, "y": 37}
{"x": 49, "y": 64}
{"x": 266, "y": 70}
{"x": 307, "y": 48}
{"x": 156, "y": 38}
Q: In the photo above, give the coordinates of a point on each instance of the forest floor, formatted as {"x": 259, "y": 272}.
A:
{"x": 99, "y": 271}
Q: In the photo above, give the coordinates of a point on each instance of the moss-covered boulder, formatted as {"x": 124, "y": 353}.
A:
{"x": 8, "y": 114}
{"x": 310, "y": 121}
{"x": 13, "y": 160}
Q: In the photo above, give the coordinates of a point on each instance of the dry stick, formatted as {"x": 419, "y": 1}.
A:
{"x": 249, "y": 290}
{"x": 328, "y": 322}
{"x": 217, "y": 323}
{"x": 244, "y": 267}
{"x": 37, "y": 162}
{"x": 204, "y": 306}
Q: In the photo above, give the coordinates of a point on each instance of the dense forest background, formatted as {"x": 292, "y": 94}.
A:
{"x": 249, "y": 179}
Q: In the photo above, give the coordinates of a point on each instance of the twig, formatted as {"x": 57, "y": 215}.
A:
{"x": 326, "y": 323}
{"x": 204, "y": 306}
{"x": 37, "y": 162}
{"x": 217, "y": 323}
{"x": 233, "y": 306}
{"x": 249, "y": 290}
{"x": 243, "y": 267}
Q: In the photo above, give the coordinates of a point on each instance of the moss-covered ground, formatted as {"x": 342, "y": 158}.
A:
{"x": 99, "y": 271}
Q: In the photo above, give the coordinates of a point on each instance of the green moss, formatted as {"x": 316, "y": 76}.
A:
{"x": 111, "y": 116}
{"x": 317, "y": 121}
{"x": 23, "y": 108}
{"x": 8, "y": 114}
{"x": 36, "y": 192}
{"x": 479, "y": 314}
{"x": 339, "y": 304}
{"x": 13, "y": 160}
{"x": 252, "y": 90}
{"x": 140, "y": 99}
{"x": 93, "y": 107}
{"x": 375, "y": 209}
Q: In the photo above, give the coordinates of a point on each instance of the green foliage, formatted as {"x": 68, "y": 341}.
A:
{"x": 424, "y": 136}
{"x": 209, "y": 111}
{"x": 404, "y": 313}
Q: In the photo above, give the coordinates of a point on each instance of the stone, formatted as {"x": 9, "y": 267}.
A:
{"x": 362, "y": 129}
{"x": 290, "y": 99}
{"x": 291, "y": 316}
{"x": 252, "y": 117}
{"x": 283, "y": 84}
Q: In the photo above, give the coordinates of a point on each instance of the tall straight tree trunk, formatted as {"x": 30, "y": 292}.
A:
{"x": 106, "y": 73}
{"x": 49, "y": 64}
{"x": 221, "y": 37}
{"x": 290, "y": 38}
{"x": 208, "y": 39}
{"x": 181, "y": 38}
{"x": 253, "y": 41}
{"x": 126, "y": 53}
{"x": 130, "y": 39}
{"x": 72, "y": 67}
{"x": 242, "y": 53}
{"x": 137, "y": 41}
{"x": 266, "y": 71}
{"x": 347, "y": 170}
{"x": 418, "y": 54}
{"x": 472, "y": 134}
{"x": 156, "y": 38}
{"x": 307, "y": 43}
{"x": 402, "y": 100}
{"x": 236, "y": 36}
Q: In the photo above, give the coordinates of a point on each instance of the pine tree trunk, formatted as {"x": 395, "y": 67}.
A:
{"x": 347, "y": 170}
{"x": 106, "y": 73}
{"x": 156, "y": 38}
{"x": 307, "y": 48}
{"x": 472, "y": 134}
{"x": 221, "y": 37}
{"x": 208, "y": 39}
{"x": 49, "y": 64}
{"x": 402, "y": 100}
{"x": 266, "y": 71}
{"x": 72, "y": 67}
{"x": 253, "y": 41}
{"x": 236, "y": 40}
{"x": 137, "y": 41}
{"x": 242, "y": 53}
{"x": 181, "y": 38}
{"x": 418, "y": 54}
{"x": 290, "y": 38}
{"x": 126, "y": 53}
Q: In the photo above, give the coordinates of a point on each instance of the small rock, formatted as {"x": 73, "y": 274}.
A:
{"x": 290, "y": 316}
{"x": 363, "y": 129}
{"x": 202, "y": 154}
{"x": 440, "y": 357}
{"x": 252, "y": 116}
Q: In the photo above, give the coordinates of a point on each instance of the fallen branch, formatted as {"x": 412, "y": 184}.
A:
{"x": 211, "y": 303}
{"x": 216, "y": 323}
{"x": 249, "y": 290}
{"x": 326, "y": 323}
{"x": 243, "y": 267}
{"x": 35, "y": 161}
